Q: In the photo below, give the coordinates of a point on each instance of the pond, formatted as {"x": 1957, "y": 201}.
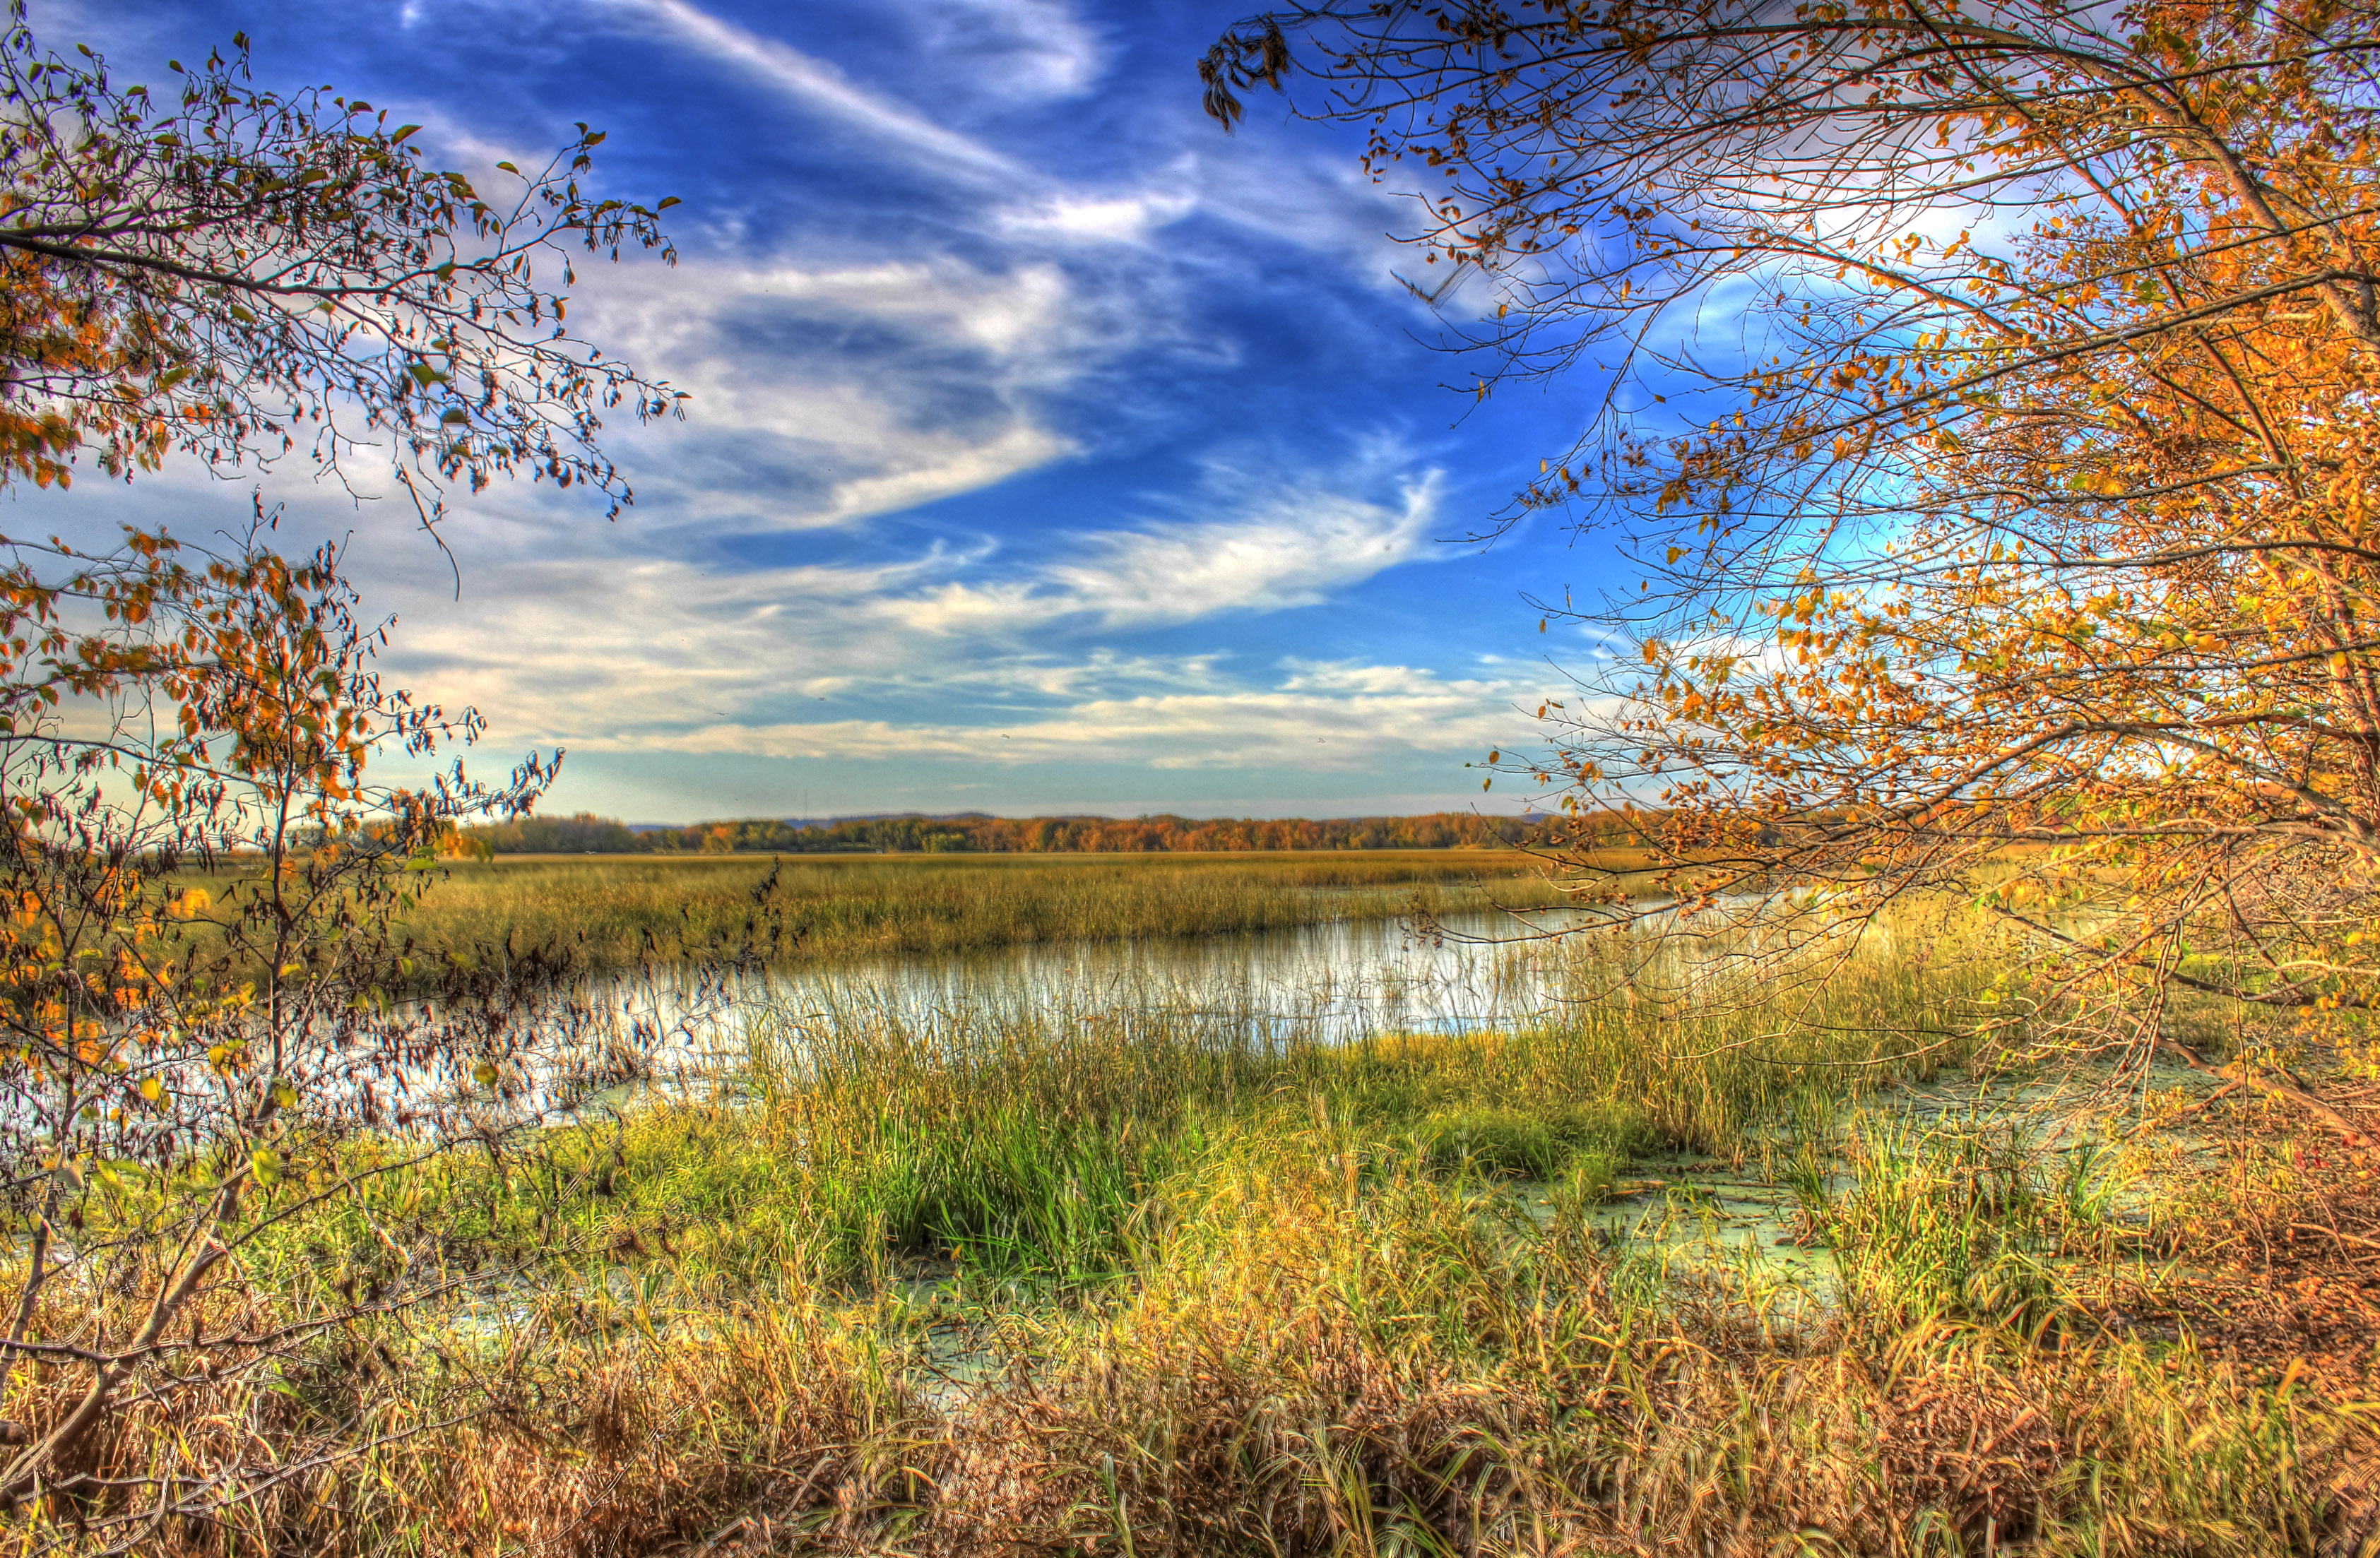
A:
{"x": 1333, "y": 983}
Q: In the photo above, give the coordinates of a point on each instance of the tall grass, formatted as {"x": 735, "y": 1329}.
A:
{"x": 620, "y": 912}
{"x": 1960, "y": 1217}
{"x": 1037, "y": 1135}
{"x": 1148, "y": 1279}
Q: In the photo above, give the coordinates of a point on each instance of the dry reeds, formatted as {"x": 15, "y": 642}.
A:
{"x": 621, "y": 912}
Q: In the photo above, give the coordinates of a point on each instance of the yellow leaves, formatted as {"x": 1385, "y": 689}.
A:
{"x": 189, "y": 903}
{"x": 485, "y": 1073}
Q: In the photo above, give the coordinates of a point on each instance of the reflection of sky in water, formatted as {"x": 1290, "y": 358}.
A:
{"x": 1332, "y": 982}
{"x": 1337, "y": 980}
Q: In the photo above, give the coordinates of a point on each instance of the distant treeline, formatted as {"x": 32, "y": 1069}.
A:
{"x": 586, "y": 833}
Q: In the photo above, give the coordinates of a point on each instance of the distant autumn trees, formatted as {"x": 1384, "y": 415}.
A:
{"x": 1983, "y": 398}
{"x": 1058, "y": 835}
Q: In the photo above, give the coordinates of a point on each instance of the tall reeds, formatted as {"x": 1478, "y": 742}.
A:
{"x": 623, "y": 912}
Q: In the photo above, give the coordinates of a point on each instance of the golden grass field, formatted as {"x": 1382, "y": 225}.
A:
{"x": 620, "y": 909}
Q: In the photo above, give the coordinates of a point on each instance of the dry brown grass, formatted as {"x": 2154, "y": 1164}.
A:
{"x": 1342, "y": 1395}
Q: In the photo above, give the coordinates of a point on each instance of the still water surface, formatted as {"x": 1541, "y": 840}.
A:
{"x": 1331, "y": 982}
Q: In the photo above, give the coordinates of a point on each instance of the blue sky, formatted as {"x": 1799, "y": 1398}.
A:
{"x": 1049, "y": 450}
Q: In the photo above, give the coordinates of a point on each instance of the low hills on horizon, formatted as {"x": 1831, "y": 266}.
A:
{"x": 981, "y": 833}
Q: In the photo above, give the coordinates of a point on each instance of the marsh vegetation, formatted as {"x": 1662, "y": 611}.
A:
{"x": 615, "y": 911}
{"x": 1118, "y": 1274}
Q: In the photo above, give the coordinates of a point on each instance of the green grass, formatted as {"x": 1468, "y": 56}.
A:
{"x": 618, "y": 911}
{"x": 1038, "y": 1136}
{"x": 1123, "y": 1276}
{"x": 1960, "y": 1217}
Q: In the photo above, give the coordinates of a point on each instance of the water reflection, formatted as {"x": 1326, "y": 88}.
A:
{"x": 1331, "y": 983}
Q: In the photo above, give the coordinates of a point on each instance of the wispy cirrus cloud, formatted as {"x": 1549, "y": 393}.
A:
{"x": 1332, "y": 719}
{"x": 965, "y": 638}
{"x": 818, "y": 85}
{"x": 1035, "y": 51}
{"x": 1253, "y": 540}
{"x": 1019, "y": 441}
{"x": 824, "y": 394}
{"x": 834, "y": 381}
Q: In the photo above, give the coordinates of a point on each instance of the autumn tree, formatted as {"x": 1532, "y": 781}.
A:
{"x": 213, "y": 1034}
{"x": 1984, "y": 395}
{"x": 218, "y": 1051}
{"x": 240, "y": 273}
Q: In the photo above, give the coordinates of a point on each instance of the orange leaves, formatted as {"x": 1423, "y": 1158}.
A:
{"x": 2052, "y": 550}
{"x": 322, "y": 237}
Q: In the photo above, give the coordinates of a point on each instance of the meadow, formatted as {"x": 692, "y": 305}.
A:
{"x": 1119, "y": 1278}
{"x": 615, "y": 911}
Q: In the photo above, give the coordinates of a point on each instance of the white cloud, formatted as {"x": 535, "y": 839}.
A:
{"x": 833, "y": 393}
{"x": 1295, "y": 546}
{"x": 1295, "y": 722}
{"x": 933, "y": 472}
{"x": 648, "y": 653}
{"x": 1128, "y": 218}
{"x": 816, "y": 84}
{"x": 862, "y": 372}
{"x": 1258, "y": 543}
{"x": 1021, "y": 50}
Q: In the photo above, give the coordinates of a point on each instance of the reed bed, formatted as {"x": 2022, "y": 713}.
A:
{"x": 623, "y": 912}
{"x": 1150, "y": 1278}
